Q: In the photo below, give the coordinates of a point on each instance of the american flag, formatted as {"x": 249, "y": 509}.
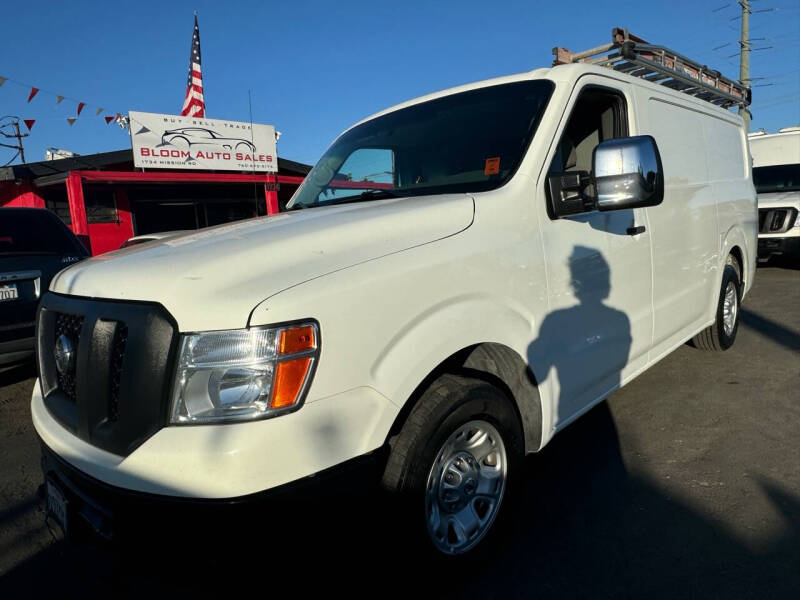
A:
{"x": 194, "y": 105}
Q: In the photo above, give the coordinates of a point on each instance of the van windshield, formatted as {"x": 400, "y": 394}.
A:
{"x": 467, "y": 142}
{"x": 777, "y": 178}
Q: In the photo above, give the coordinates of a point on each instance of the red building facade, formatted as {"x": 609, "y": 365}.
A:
{"x": 105, "y": 200}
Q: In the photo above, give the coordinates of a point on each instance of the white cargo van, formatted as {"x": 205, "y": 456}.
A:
{"x": 459, "y": 278}
{"x": 776, "y": 174}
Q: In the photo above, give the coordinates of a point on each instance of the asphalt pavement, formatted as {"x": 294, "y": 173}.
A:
{"x": 686, "y": 483}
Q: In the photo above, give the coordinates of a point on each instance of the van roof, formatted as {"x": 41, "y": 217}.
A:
{"x": 562, "y": 74}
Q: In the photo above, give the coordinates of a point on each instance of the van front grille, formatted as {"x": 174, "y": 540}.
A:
{"x": 115, "y": 370}
{"x": 69, "y": 326}
{"x": 115, "y": 393}
{"x": 776, "y": 220}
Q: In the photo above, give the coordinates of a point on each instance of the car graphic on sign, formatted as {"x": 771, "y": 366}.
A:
{"x": 185, "y": 137}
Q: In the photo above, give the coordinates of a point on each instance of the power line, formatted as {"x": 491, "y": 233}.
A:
{"x": 763, "y": 10}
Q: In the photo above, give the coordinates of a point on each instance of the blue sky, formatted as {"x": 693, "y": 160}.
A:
{"x": 314, "y": 68}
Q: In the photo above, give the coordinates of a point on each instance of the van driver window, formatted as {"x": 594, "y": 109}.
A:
{"x": 596, "y": 117}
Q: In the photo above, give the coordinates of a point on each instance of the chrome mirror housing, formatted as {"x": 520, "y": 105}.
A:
{"x": 627, "y": 173}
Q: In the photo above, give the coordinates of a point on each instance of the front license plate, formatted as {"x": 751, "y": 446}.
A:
{"x": 9, "y": 292}
{"x": 57, "y": 505}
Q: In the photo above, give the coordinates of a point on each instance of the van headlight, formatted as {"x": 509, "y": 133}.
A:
{"x": 243, "y": 374}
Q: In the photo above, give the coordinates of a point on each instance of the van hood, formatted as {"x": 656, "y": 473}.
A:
{"x": 779, "y": 199}
{"x": 213, "y": 278}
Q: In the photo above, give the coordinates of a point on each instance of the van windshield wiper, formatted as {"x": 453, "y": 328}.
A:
{"x": 362, "y": 197}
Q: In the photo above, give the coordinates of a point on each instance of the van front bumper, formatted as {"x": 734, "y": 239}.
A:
{"x": 118, "y": 513}
{"x": 229, "y": 461}
{"x": 775, "y": 246}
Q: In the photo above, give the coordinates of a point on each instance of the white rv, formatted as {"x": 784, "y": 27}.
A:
{"x": 776, "y": 174}
{"x": 458, "y": 279}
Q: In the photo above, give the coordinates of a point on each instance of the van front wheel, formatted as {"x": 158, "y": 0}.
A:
{"x": 722, "y": 333}
{"x": 453, "y": 461}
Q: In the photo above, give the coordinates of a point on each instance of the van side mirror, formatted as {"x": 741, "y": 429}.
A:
{"x": 626, "y": 173}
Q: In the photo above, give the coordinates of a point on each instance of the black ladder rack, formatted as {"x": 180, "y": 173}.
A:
{"x": 630, "y": 54}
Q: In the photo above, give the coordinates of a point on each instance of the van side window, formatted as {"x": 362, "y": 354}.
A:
{"x": 597, "y": 116}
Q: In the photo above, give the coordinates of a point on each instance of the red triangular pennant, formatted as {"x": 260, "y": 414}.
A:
{"x": 80, "y": 106}
{"x": 34, "y": 91}
{"x": 108, "y": 119}
{"x": 29, "y": 123}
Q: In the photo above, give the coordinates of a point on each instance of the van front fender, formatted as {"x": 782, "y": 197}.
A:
{"x": 497, "y": 335}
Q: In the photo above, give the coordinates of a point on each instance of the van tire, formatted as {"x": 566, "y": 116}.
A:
{"x": 717, "y": 337}
{"x": 416, "y": 470}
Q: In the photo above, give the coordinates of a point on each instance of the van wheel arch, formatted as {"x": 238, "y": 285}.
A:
{"x": 738, "y": 257}
{"x": 721, "y": 334}
{"x": 499, "y": 366}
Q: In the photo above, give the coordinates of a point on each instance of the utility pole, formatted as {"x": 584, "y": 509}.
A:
{"x": 18, "y": 146}
{"x": 744, "y": 59}
{"x": 19, "y": 137}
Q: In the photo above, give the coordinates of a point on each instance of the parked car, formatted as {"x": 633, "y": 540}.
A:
{"x": 34, "y": 246}
{"x": 546, "y": 238}
{"x": 776, "y": 173}
{"x": 151, "y": 237}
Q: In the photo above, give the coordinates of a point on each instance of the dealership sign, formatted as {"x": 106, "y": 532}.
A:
{"x": 175, "y": 142}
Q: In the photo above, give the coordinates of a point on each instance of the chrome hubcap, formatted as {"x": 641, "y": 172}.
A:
{"x": 730, "y": 308}
{"x": 465, "y": 487}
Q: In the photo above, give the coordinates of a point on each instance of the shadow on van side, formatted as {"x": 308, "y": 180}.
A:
{"x": 585, "y": 345}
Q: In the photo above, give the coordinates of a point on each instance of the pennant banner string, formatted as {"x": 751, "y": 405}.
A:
{"x": 33, "y": 91}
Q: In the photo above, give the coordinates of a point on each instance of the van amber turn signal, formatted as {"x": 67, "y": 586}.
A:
{"x": 289, "y": 380}
{"x": 292, "y": 374}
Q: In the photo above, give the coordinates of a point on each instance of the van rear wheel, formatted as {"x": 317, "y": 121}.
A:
{"x": 722, "y": 333}
{"x": 452, "y": 464}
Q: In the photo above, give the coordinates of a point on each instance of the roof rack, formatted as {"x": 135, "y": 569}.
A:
{"x": 630, "y": 54}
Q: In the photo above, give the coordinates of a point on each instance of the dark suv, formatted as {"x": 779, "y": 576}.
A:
{"x": 34, "y": 246}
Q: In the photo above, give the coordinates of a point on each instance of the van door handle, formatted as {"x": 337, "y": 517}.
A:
{"x": 636, "y": 230}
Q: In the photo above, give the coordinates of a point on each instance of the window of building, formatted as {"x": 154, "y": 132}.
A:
{"x": 101, "y": 205}
{"x": 55, "y": 200}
